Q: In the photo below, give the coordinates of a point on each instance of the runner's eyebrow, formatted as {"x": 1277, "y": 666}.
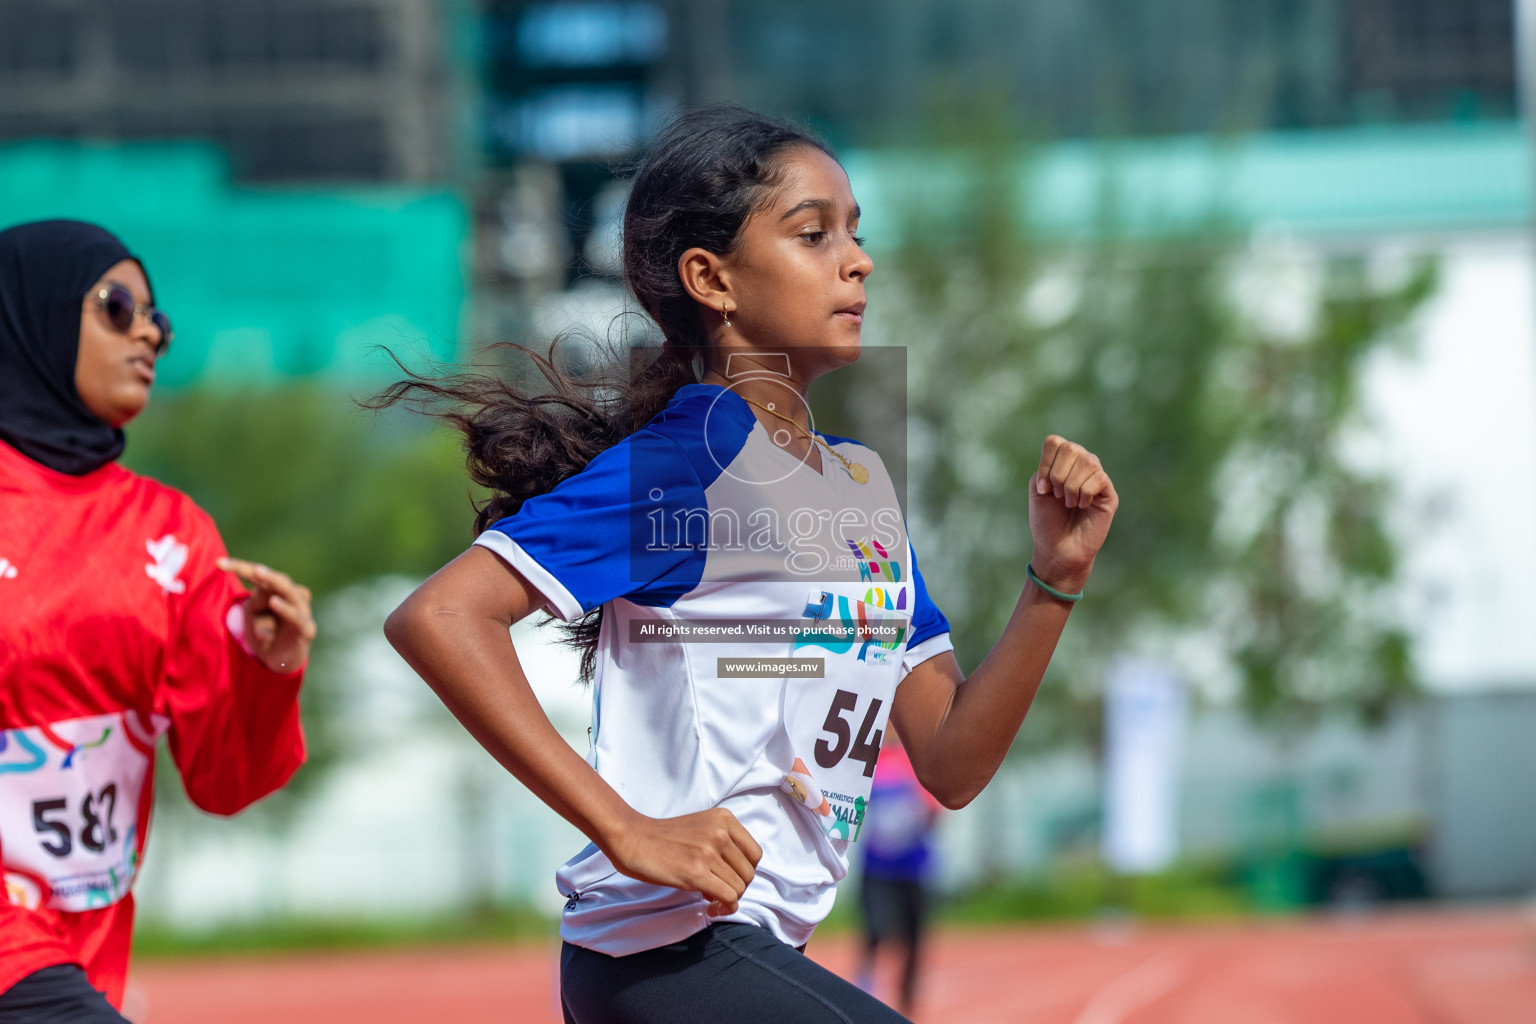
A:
{"x": 824, "y": 205}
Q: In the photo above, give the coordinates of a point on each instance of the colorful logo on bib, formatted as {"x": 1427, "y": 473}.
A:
{"x": 875, "y": 563}
{"x": 71, "y": 749}
{"x": 70, "y": 816}
{"x": 26, "y": 889}
{"x": 31, "y": 756}
{"x": 882, "y": 607}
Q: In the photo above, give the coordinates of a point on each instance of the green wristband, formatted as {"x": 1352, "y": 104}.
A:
{"x": 1029, "y": 571}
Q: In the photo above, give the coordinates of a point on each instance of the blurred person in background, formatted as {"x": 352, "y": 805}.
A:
{"x": 121, "y": 619}
{"x": 898, "y": 854}
{"x": 716, "y": 847}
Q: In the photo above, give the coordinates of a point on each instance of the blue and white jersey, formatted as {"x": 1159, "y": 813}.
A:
{"x": 757, "y": 619}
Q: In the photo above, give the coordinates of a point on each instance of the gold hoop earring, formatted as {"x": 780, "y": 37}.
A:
{"x": 725, "y": 314}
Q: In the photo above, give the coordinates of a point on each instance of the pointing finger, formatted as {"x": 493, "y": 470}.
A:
{"x": 253, "y": 573}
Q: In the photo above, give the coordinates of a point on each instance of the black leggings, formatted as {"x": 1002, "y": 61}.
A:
{"x": 727, "y": 972}
{"x": 56, "y": 995}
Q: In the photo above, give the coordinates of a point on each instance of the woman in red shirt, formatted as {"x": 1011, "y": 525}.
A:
{"x": 121, "y": 618}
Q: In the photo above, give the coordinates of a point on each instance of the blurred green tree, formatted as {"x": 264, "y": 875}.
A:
{"x": 302, "y": 479}
{"x": 1242, "y": 523}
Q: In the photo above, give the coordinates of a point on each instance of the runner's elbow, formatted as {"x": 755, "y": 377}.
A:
{"x": 955, "y": 798}
{"x": 408, "y": 625}
{"x": 952, "y": 794}
{"x": 397, "y": 626}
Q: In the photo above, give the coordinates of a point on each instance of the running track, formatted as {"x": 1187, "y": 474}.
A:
{"x": 1421, "y": 968}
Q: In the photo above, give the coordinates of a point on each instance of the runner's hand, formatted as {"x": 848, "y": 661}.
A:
{"x": 1071, "y": 503}
{"x": 709, "y": 853}
{"x": 278, "y": 625}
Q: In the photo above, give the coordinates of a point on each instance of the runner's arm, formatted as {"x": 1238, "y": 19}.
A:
{"x": 234, "y": 723}
{"x": 453, "y": 630}
{"x": 957, "y": 729}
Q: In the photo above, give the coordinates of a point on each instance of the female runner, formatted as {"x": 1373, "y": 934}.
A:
{"x": 758, "y": 612}
{"x": 121, "y": 619}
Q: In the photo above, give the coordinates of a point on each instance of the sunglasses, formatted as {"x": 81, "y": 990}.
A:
{"x": 117, "y": 303}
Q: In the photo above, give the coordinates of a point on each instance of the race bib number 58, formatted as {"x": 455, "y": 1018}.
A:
{"x": 69, "y": 802}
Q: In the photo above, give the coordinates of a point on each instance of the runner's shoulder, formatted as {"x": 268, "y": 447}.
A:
{"x": 160, "y": 504}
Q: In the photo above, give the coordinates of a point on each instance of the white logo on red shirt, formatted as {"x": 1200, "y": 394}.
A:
{"x": 169, "y": 556}
{"x": 7, "y": 570}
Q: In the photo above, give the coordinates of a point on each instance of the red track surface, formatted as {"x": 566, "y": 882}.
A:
{"x": 1442, "y": 968}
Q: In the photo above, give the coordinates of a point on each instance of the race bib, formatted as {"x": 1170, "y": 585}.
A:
{"x": 837, "y": 723}
{"x": 69, "y": 803}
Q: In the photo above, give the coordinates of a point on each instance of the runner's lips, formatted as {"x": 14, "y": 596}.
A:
{"x": 144, "y": 367}
{"x": 855, "y": 311}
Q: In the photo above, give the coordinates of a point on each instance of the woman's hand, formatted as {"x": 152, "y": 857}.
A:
{"x": 1071, "y": 505}
{"x": 453, "y": 631}
{"x": 709, "y": 853}
{"x": 278, "y": 625}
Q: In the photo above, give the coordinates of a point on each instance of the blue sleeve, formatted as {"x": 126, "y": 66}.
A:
{"x": 593, "y": 537}
{"x": 927, "y": 621}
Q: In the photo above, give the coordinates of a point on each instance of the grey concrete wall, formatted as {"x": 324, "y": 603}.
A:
{"x": 1484, "y": 795}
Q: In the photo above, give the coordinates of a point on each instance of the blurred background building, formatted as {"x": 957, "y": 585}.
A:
{"x": 309, "y": 180}
{"x": 578, "y": 84}
{"x": 330, "y": 90}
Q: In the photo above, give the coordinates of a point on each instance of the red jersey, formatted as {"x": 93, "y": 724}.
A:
{"x": 115, "y": 626}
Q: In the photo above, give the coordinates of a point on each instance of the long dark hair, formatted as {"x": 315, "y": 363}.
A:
{"x": 705, "y": 172}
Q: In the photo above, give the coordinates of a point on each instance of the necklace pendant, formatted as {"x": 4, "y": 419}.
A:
{"x": 858, "y": 472}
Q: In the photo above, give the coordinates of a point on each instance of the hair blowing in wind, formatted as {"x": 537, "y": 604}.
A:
{"x": 705, "y": 172}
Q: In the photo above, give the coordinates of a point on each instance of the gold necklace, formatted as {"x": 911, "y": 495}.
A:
{"x": 856, "y": 470}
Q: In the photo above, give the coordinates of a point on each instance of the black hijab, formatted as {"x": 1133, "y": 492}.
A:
{"x": 45, "y": 268}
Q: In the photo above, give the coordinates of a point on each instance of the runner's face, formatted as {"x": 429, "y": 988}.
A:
{"x": 798, "y": 270}
{"x": 114, "y": 371}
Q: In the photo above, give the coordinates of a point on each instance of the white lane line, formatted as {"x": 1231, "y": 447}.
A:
{"x": 1142, "y": 985}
